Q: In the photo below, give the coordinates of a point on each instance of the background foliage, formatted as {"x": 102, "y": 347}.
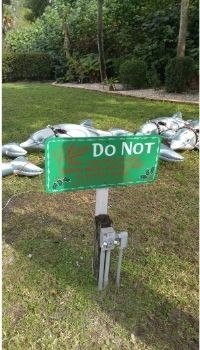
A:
{"x": 146, "y": 30}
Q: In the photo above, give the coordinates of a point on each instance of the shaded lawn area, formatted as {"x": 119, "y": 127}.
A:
{"x": 50, "y": 299}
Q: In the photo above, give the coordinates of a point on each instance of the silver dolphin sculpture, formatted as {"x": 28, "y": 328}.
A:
{"x": 13, "y": 150}
{"x": 168, "y": 135}
{"x": 6, "y": 169}
{"x": 162, "y": 124}
{"x": 120, "y": 132}
{"x": 185, "y": 139}
{"x": 194, "y": 124}
{"x": 165, "y": 152}
{"x": 21, "y": 166}
{"x": 169, "y": 155}
{"x": 36, "y": 140}
{"x": 85, "y": 129}
{"x": 91, "y": 132}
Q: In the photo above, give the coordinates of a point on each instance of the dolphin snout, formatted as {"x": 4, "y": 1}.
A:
{"x": 27, "y": 144}
{"x": 169, "y": 155}
{"x": 32, "y": 144}
{"x": 175, "y": 144}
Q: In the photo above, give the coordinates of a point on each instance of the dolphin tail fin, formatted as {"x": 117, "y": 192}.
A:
{"x": 87, "y": 123}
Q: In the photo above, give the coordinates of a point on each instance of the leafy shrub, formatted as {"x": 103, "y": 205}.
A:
{"x": 178, "y": 73}
{"x": 153, "y": 78}
{"x": 73, "y": 69}
{"x": 26, "y": 66}
{"x": 23, "y": 39}
{"x": 44, "y": 35}
{"x": 113, "y": 68}
{"x": 133, "y": 73}
{"x": 89, "y": 65}
{"x": 159, "y": 41}
{"x": 83, "y": 69}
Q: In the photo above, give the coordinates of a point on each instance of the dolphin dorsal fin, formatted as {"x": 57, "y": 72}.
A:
{"x": 87, "y": 123}
{"x": 177, "y": 115}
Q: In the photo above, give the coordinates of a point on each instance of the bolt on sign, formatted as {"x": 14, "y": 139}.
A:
{"x": 100, "y": 162}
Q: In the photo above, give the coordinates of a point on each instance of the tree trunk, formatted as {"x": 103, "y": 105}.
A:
{"x": 66, "y": 44}
{"x": 100, "y": 39}
{"x": 66, "y": 40}
{"x": 183, "y": 28}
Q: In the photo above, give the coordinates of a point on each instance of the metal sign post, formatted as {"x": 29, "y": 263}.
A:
{"x": 101, "y": 201}
{"x": 99, "y": 163}
{"x": 106, "y": 240}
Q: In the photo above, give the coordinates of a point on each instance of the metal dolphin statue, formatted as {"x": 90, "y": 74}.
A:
{"x": 120, "y": 132}
{"x": 162, "y": 124}
{"x": 185, "y": 139}
{"x": 168, "y": 135}
{"x": 194, "y": 124}
{"x": 36, "y": 140}
{"x": 21, "y": 166}
{"x": 13, "y": 150}
{"x": 165, "y": 152}
{"x": 91, "y": 132}
{"x": 6, "y": 169}
{"x": 85, "y": 129}
{"x": 169, "y": 155}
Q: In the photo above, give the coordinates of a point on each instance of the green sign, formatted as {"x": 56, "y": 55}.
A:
{"x": 97, "y": 162}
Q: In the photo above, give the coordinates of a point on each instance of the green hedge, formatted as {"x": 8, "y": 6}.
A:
{"x": 178, "y": 73}
{"x": 133, "y": 73}
{"x": 26, "y": 66}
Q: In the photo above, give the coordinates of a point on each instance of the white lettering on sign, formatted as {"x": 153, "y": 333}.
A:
{"x": 113, "y": 150}
{"x": 97, "y": 147}
{"x": 110, "y": 150}
{"x": 128, "y": 148}
{"x": 137, "y": 148}
{"x": 149, "y": 144}
{"x": 98, "y": 150}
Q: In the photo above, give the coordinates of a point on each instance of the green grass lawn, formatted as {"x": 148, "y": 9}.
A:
{"x": 50, "y": 299}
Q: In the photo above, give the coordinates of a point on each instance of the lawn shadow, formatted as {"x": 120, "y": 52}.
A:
{"x": 58, "y": 248}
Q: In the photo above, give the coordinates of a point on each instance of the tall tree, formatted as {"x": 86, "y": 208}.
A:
{"x": 183, "y": 28}
{"x": 66, "y": 13}
{"x": 100, "y": 39}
